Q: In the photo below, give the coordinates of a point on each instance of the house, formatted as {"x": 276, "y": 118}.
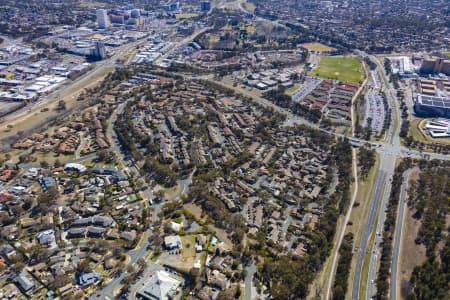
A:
{"x": 172, "y": 242}
{"x": 175, "y": 226}
{"x": 73, "y": 167}
{"x": 7, "y": 175}
{"x": 128, "y": 235}
{"x": 161, "y": 286}
{"x": 28, "y": 222}
{"x": 200, "y": 239}
{"x": 76, "y": 233}
{"x": 218, "y": 279}
{"x": 25, "y": 282}
{"x": 110, "y": 263}
{"x": 116, "y": 174}
{"x": 95, "y": 232}
{"x": 87, "y": 279}
{"x": 112, "y": 234}
{"x": 46, "y": 237}
{"x": 10, "y": 232}
{"x": 103, "y": 221}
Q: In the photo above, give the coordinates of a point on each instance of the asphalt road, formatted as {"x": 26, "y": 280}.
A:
{"x": 251, "y": 270}
{"x": 398, "y": 235}
{"x": 367, "y": 231}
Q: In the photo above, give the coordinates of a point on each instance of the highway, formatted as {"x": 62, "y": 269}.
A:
{"x": 367, "y": 232}
{"x": 398, "y": 235}
{"x": 389, "y": 152}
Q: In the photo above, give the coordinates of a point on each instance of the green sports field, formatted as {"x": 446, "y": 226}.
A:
{"x": 346, "y": 69}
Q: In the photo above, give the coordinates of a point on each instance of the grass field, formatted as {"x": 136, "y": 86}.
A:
{"x": 346, "y": 69}
{"x": 292, "y": 89}
{"x": 317, "y": 47}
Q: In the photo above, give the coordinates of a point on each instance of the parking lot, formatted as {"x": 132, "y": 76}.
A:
{"x": 375, "y": 111}
{"x": 308, "y": 86}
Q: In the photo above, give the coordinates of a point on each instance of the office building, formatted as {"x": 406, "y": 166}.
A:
{"x": 205, "y": 6}
{"x": 99, "y": 51}
{"x": 435, "y": 65}
{"x": 432, "y": 106}
{"x": 439, "y": 128}
{"x": 135, "y": 13}
{"x": 102, "y": 18}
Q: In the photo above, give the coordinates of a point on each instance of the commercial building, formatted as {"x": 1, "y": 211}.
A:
{"x": 435, "y": 65}
{"x": 117, "y": 19}
{"x": 102, "y": 18}
{"x": 432, "y": 106}
{"x": 135, "y": 13}
{"x": 99, "y": 51}
{"x": 172, "y": 242}
{"x": 439, "y": 128}
{"x": 402, "y": 66}
{"x": 161, "y": 286}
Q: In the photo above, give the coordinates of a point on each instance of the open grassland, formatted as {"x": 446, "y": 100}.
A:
{"x": 292, "y": 89}
{"x": 317, "y": 47}
{"x": 346, "y": 69}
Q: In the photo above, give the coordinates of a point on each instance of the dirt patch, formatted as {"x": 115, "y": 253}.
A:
{"x": 411, "y": 254}
{"x": 195, "y": 210}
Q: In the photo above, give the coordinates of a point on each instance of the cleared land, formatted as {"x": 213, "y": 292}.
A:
{"x": 411, "y": 254}
{"x": 317, "y": 47}
{"x": 345, "y": 69}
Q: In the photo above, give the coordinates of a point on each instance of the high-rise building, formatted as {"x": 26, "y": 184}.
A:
{"x": 135, "y": 13}
{"x": 205, "y": 6}
{"x": 117, "y": 19}
{"x": 102, "y": 18}
{"x": 99, "y": 51}
{"x": 435, "y": 65}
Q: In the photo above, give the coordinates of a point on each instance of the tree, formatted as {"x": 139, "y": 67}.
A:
{"x": 61, "y": 105}
{"x": 44, "y": 164}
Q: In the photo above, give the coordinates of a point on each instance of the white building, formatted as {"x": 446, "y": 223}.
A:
{"x": 439, "y": 128}
{"x": 102, "y": 18}
{"x": 161, "y": 286}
